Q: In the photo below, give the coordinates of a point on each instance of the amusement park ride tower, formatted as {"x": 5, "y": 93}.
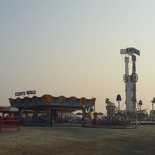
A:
{"x": 130, "y": 80}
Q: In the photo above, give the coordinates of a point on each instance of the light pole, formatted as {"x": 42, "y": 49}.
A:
{"x": 118, "y": 98}
{"x": 140, "y": 103}
{"x": 140, "y": 113}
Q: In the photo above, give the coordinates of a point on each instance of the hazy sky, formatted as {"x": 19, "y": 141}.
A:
{"x": 72, "y": 48}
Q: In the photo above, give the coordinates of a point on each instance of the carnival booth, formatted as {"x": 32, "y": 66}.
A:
{"x": 10, "y": 111}
{"x": 47, "y": 109}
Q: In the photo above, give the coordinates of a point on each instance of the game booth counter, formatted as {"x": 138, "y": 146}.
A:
{"x": 48, "y": 110}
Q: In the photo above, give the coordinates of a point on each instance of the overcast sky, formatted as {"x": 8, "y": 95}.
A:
{"x": 72, "y": 48}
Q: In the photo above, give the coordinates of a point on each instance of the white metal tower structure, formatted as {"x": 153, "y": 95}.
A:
{"x": 130, "y": 79}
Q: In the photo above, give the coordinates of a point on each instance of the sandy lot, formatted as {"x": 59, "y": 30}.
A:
{"x": 78, "y": 141}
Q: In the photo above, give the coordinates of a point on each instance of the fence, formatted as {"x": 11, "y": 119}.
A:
{"x": 9, "y": 123}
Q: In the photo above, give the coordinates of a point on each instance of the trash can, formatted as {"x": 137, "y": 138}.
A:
{"x": 52, "y": 123}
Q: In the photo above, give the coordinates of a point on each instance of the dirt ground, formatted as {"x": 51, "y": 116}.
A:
{"x": 78, "y": 141}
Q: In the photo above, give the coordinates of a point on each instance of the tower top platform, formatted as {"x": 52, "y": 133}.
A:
{"x": 130, "y": 50}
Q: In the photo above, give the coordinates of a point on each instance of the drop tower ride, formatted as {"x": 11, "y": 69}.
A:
{"x": 130, "y": 79}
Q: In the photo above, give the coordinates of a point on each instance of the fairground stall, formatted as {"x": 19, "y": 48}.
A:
{"x": 47, "y": 109}
{"x": 8, "y": 111}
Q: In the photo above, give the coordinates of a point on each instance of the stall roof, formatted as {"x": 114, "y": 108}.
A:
{"x": 47, "y": 100}
{"x": 9, "y": 109}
